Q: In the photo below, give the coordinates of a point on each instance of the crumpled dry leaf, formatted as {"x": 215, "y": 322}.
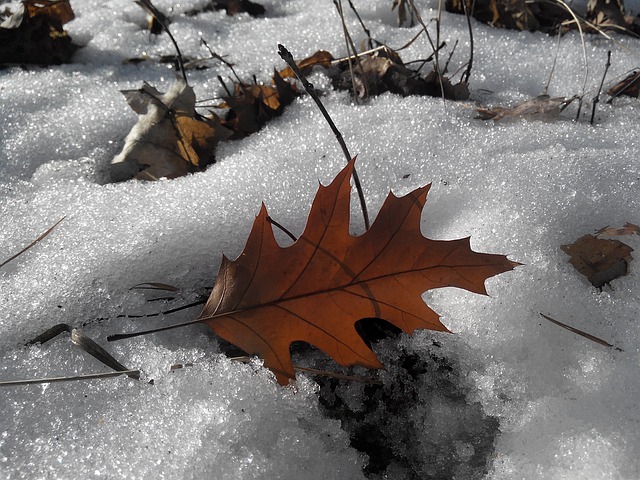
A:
{"x": 610, "y": 15}
{"x": 383, "y": 71}
{"x": 540, "y": 107}
{"x": 33, "y": 34}
{"x": 600, "y": 260}
{"x": 251, "y": 106}
{"x": 628, "y": 229}
{"x": 512, "y": 14}
{"x": 321, "y": 58}
{"x": 547, "y": 16}
{"x": 170, "y": 138}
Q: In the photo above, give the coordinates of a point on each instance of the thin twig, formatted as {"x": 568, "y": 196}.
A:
{"x": 351, "y": 49}
{"x": 366, "y": 30}
{"x": 162, "y": 20}
{"x": 284, "y": 230}
{"x": 597, "y": 97}
{"x": 219, "y": 57}
{"x": 288, "y": 58}
{"x": 467, "y": 72}
{"x": 89, "y": 376}
{"x": 581, "y": 333}
{"x": 433, "y": 47}
{"x": 553, "y": 65}
{"x": 166, "y": 312}
{"x": 224, "y": 85}
{"x": 41, "y": 237}
{"x": 584, "y": 53}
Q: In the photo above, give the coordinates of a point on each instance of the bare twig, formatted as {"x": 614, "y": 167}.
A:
{"x": 351, "y": 51}
{"x": 433, "y": 46}
{"x": 219, "y": 57}
{"x": 597, "y": 97}
{"x": 584, "y": 53}
{"x": 467, "y": 72}
{"x": 581, "y": 333}
{"x": 284, "y": 230}
{"x": 41, "y": 237}
{"x": 166, "y": 312}
{"x": 288, "y": 58}
{"x": 162, "y": 20}
{"x": 553, "y": 65}
{"x": 366, "y": 30}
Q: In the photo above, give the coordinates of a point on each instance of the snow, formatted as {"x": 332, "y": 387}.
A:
{"x": 508, "y": 395}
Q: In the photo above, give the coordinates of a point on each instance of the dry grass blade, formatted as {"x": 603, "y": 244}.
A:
{"x": 165, "y": 312}
{"x": 155, "y": 286}
{"x": 581, "y": 333}
{"x": 37, "y": 240}
{"x": 85, "y": 343}
{"x": 89, "y": 376}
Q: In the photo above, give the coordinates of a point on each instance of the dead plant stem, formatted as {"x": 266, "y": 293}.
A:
{"x": 310, "y": 89}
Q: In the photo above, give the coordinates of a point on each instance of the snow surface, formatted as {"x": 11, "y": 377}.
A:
{"x": 531, "y": 400}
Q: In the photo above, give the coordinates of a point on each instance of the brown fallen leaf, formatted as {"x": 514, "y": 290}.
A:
{"x": 628, "y": 229}
{"x": 33, "y": 34}
{"x": 384, "y": 71}
{"x": 600, "y": 260}
{"x": 610, "y": 15}
{"x": 511, "y": 14}
{"x": 170, "y": 138}
{"x": 321, "y": 58}
{"x": 629, "y": 86}
{"x": 540, "y": 107}
{"x": 252, "y": 106}
{"x": 316, "y": 289}
{"x": 232, "y": 7}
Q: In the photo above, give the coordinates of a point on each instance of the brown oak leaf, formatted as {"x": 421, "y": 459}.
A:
{"x": 316, "y": 289}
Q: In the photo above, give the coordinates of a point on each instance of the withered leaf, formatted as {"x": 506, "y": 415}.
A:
{"x": 232, "y": 7}
{"x": 59, "y": 10}
{"x": 316, "y": 289}
{"x": 170, "y": 138}
{"x": 321, "y": 58}
{"x": 252, "y": 106}
{"x": 628, "y": 229}
{"x": 383, "y": 71}
{"x": 609, "y": 15}
{"x": 600, "y": 260}
{"x": 629, "y": 86}
{"x": 33, "y": 34}
{"x": 512, "y": 14}
{"x": 542, "y": 107}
